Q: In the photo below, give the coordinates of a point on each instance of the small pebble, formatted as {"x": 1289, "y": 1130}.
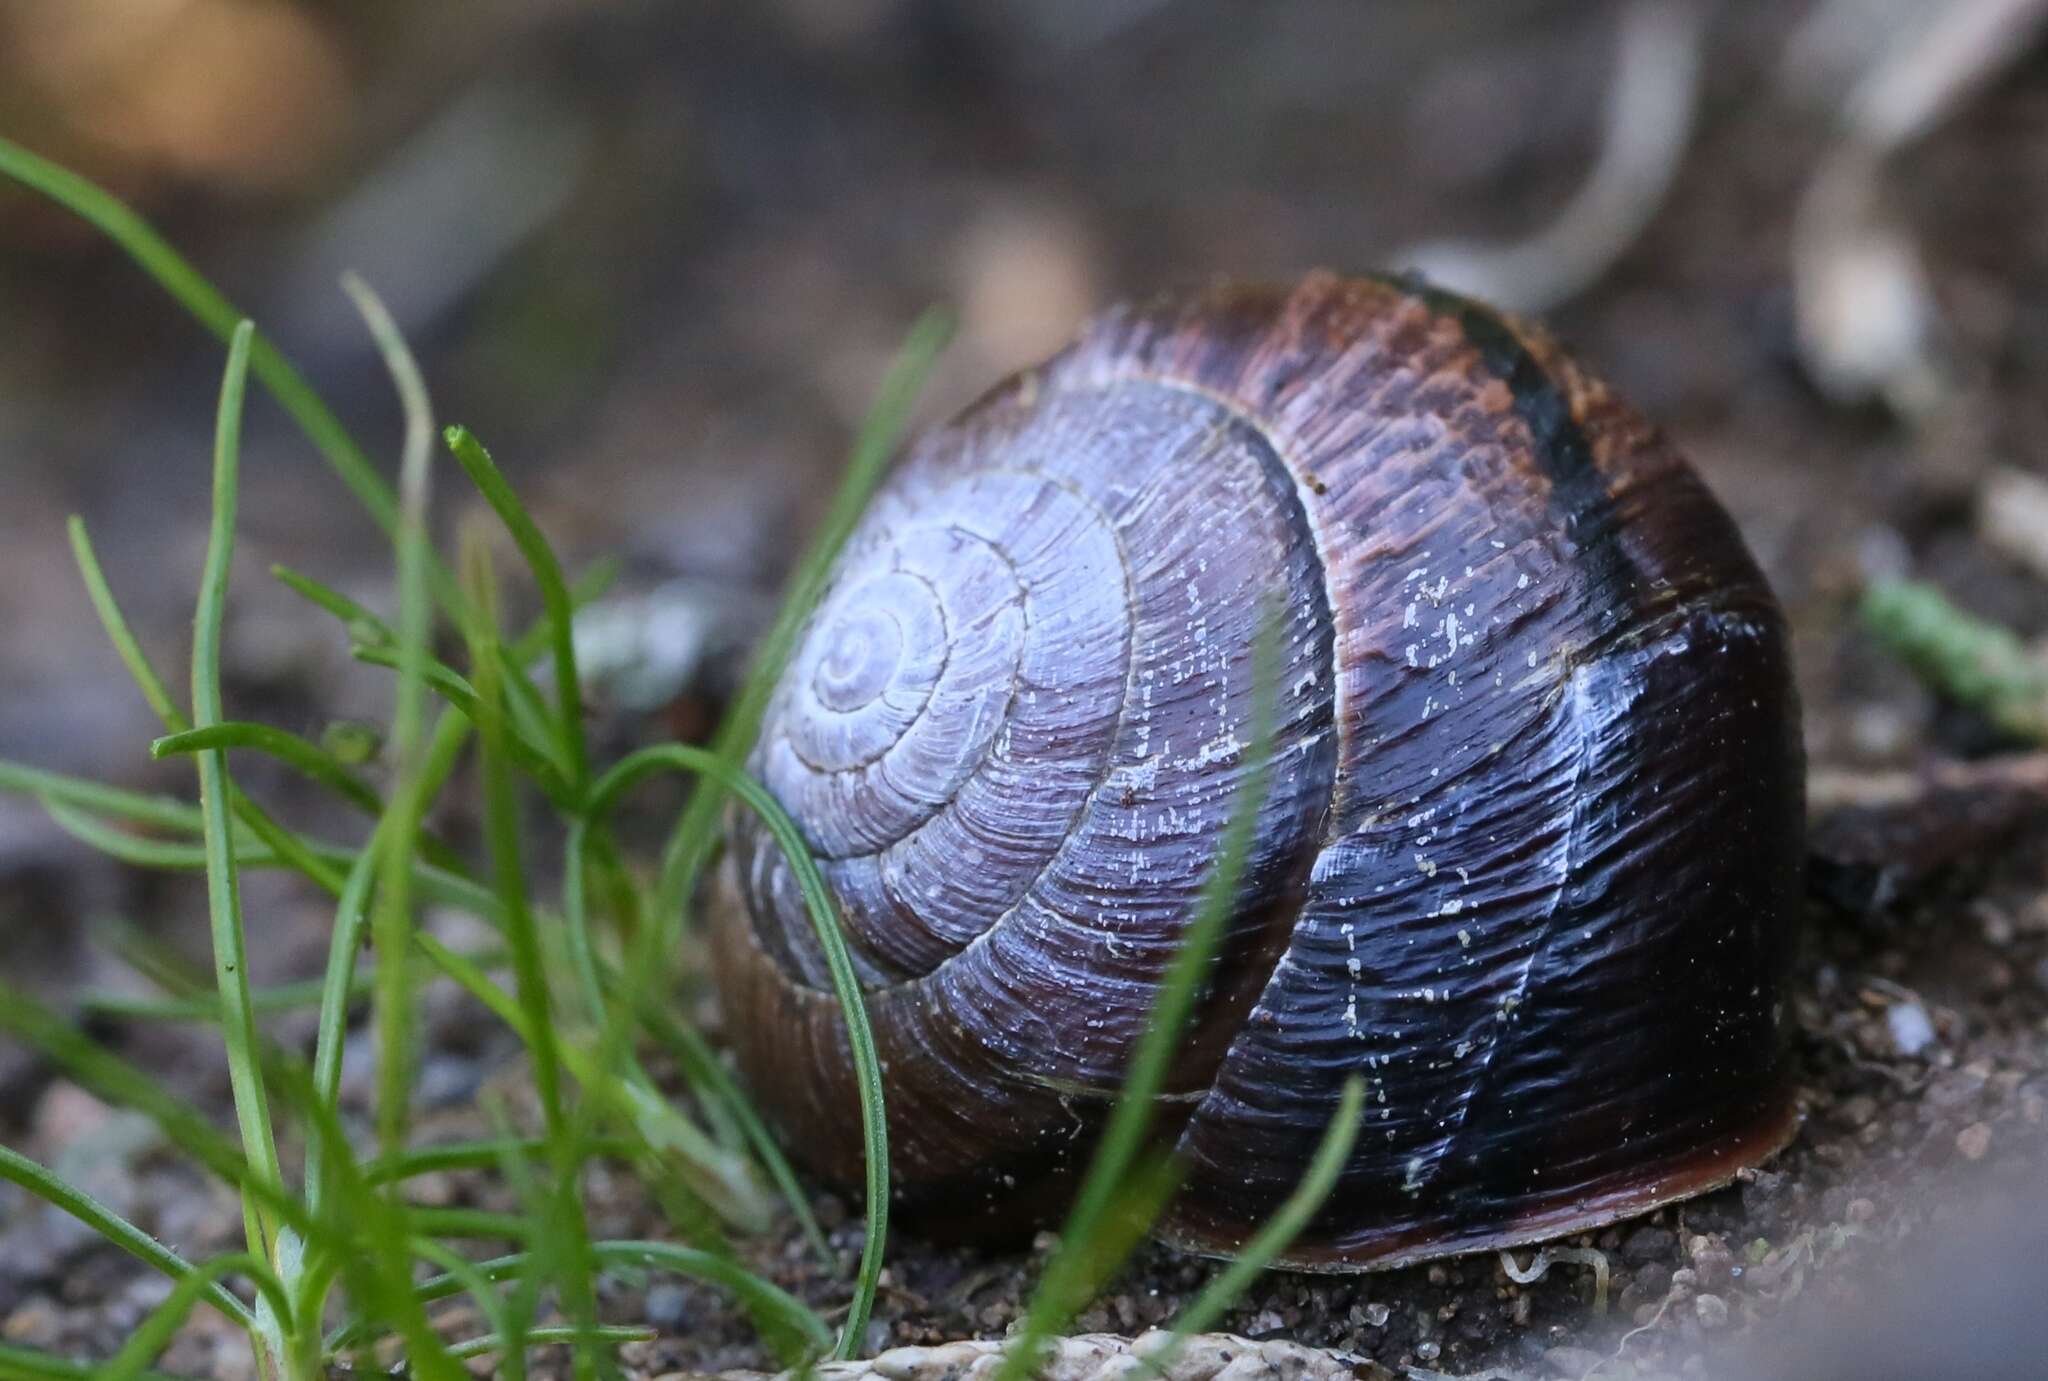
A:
{"x": 1712, "y": 1260}
{"x": 1647, "y": 1244}
{"x": 1712, "y": 1311}
{"x": 1376, "y": 1315}
{"x": 446, "y": 1081}
{"x": 67, "y": 1114}
{"x": 1974, "y": 1140}
{"x": 665, "y": 1307}
{"x": 34, "y": 1324}
{"x": 1650, "y": 1281}
{"x": 1428, "y": 1352}
{"x": 1911, "y": 1029}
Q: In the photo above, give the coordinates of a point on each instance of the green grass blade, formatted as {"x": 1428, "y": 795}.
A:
{"x": 476, "y": 462}
{"x": 824, "y": 912}
{"x": 444, "y": 748}
{"x": 362, "y": 625}
{"x": 351, "y": 914}
{"x": 604, "y": 1335}
{"x": 281, "y": 841}
{"x": 1279, "y": 1231}
{"x": 116, "y": 1081}
{"x": 691, "y": 842}
{"x": 437, "y": 886}
{"x": 720, "y": 1097}
{"x": 478, "y": 1285}
{"x": 793, "y": 1317}
{"x": 762, "y": 1299}
{"x": 531, "y": 718}
{"x": 502, "y": 833}
{"x": 51, "y": 1188}
{"x": 302, "y": 755}
{"x": 137, "y": 808}
{"x": 471, "y": 1222}
{"x": 544, "y": 1263}
{"x": 273, "y": 1000}
{"x": 375, "y": 1258}
{"x": 230, "y": 950}
{"x": 281, "y": 997}
{"x": 469, "y": 1276}
{"x": 191, "y": 290}
{"x": 125, "y": 643}
{"x": 163, "y": 1322}
{"x": 471, "y": 1155}
{"x": 351, "y": 918}
{"x": 576, "y": 917}
{"x": 25, "y": 1364}
{"x": 720, "y": 1176}
{"x": 532, "y": 755}
{"x": 391, "y": 922}
{"x": 701, "y": 1067}
{"x": 166, "y": 855}
{"x": 338, "y": 980}
{"x": 1081, "y": 1264}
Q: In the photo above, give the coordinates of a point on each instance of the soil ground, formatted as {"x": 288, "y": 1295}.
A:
{"x": 765, "y": 195}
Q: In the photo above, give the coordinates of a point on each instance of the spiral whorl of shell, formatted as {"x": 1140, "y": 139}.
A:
{"x": 1529, "y": 854}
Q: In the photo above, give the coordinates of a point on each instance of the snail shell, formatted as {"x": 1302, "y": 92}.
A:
{"x": 1529, "y": 858}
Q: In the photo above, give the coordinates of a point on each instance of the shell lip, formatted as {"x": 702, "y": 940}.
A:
{"x": 1582, "y": 1208}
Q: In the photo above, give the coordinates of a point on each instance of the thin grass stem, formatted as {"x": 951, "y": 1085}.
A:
{"x": 163, "y": 1322}
{"x": 1278, "y": 1232}
{"x": 690, "y": 844}
{"x": 362, "y": 625}
{"x": 230, "y": 949}
{"x": 138, "y": 808}
{"x": 190, "y": 289}
{"x": 502, "y": 833}
{"x": 712, "y": 768}
{"x": 471, "y": 1155}
{"x": 281, "y": 842}
{"x": 1080, "y": 1265}
{"x": 605, "y": 1335}
{"x": 301, "y": 754}
{"x": 476, "y": 462}
{"x": 391, "y": 921}
{"x": 52, "y": 1189}
{"x": 767, "y": 1300}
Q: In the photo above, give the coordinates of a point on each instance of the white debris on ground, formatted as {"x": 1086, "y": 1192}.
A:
{"x": 1094, "y": 1357}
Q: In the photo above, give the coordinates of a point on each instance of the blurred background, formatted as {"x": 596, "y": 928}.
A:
{"x": 658, "y": 256}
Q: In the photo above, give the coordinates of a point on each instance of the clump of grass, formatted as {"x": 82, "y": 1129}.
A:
{"x": 335, "y": 1259}
{"x": 334, "y": 1255}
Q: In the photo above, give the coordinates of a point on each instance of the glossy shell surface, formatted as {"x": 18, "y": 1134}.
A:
{"x": 1529, "y": 862}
